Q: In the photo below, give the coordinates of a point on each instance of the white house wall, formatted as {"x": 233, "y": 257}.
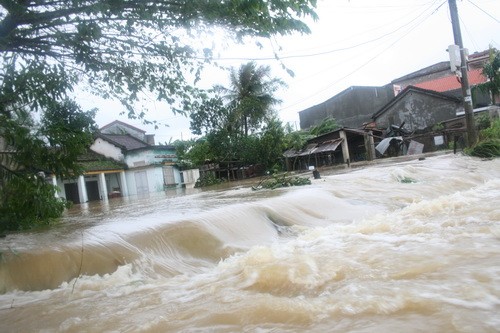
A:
{"x": 147, "y": 157}
{"x": 190, "y": 177}
{"x": 107, "y": 149}
{"x": 140, "y": 158}
{"x": 154, "y": 179}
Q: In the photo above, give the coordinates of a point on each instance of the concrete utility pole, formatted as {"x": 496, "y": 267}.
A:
{"x": 466, "y": 94}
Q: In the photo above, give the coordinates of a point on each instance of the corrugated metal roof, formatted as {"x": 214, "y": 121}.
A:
{"x": 314, "y": 148}
{"x": 328, "y": 146}
{"x": 308, "y": 150}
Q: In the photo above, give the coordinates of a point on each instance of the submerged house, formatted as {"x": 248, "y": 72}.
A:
{"x": 123, "y": 161}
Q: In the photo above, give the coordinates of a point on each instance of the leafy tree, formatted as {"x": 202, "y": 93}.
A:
{"x": 115, "y": 48}
{"x": 272, "y": 144}
{"x": 26, "y": 202}
{"x": 251, "y": 94}
{"x": 225, "y": 125}
{"x": 265, "y": 148}
{"x": 122, "y": 48}
{"x": 31, "y": 148}
{"x": 326, "y": 126}
{"x": 199, "y": 153}
{"x": 211, "y": 115}
{"x": 491, "y": 70}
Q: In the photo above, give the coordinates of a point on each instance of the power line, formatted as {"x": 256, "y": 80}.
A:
{"x": 484, "y": 11}
{"x": 371, "y": 59}
{"x": 334, "y": 50}
{"x": 360, "y": 54}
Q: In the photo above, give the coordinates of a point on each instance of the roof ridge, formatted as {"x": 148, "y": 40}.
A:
{"x": 122, "y": 123}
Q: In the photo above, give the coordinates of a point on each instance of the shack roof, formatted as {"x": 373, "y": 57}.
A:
{"x": 314, "y": 148}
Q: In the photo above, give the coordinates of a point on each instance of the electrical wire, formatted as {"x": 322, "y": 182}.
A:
{"x": 369, "y": 61}
{"x": 360, "y": 54}
{"x": 484, "y": 11}
{"x": 282, "y": 57}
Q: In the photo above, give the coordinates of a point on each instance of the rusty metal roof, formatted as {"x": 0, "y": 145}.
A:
{"x": 314, "y": 148}
{"x": 328, "y": 146}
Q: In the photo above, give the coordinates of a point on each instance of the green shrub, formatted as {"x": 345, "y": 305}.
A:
{"x": 492, "y": 132}
{"x": 485, "y": 149}
{"x": 207, "y": 179}
{"x": 27, "y": 203}
{"x": 483, "y": 121}
{"x": 489, "y": 142}
{"x": 282, "y": 181}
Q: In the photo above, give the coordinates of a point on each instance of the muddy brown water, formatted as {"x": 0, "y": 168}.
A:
{"x": 406, "y": 247}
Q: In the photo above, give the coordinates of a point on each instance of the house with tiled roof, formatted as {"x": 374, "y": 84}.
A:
{"x": 452, "y": 83}
{"x": 440, "y": 78}
{"x": 124, "y": 161}
{"x": 354, "y": 106}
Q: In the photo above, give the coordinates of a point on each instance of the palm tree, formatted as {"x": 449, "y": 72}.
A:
{"x": 251, "y": 94}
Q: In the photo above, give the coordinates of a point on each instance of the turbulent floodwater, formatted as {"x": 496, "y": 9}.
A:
{"x": 408, "y": 247}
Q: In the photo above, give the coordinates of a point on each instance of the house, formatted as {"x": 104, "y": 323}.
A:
{"x": 124, "y": 161}
{"x": 440, "y": 78}
{"x": 354, "y": 107}
{"x": 413, "y": 111}
{"x": 103, "y": 178}
{"x": 351, "y": 108}
{"x": 417, "y": 109}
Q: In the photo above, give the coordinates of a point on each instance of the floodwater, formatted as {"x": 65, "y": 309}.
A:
{"x": 407, "y": 247}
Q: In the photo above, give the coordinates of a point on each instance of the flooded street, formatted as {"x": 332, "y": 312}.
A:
{"x": 407, "y": 247}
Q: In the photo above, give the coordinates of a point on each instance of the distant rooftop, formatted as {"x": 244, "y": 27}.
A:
{"x": 121, "y": 123}
{"x": 451, "y": 82}
{"x": 125, "y": 141}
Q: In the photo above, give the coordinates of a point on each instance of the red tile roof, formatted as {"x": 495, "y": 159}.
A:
{"x": 451, "y": 82}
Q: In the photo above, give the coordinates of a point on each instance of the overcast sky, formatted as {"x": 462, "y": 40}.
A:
{"x": 354, "y": 43}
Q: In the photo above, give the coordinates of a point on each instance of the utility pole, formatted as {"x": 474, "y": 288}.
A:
{"x": 466, "y": 94}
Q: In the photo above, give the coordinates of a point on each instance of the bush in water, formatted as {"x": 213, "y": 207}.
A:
{"x": 28, "y": 202}
{"x": 282, "y": 181}
{"x": 208, "y": 179}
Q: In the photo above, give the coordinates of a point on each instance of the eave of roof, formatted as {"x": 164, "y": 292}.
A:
{"x": 436, "y": 68}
